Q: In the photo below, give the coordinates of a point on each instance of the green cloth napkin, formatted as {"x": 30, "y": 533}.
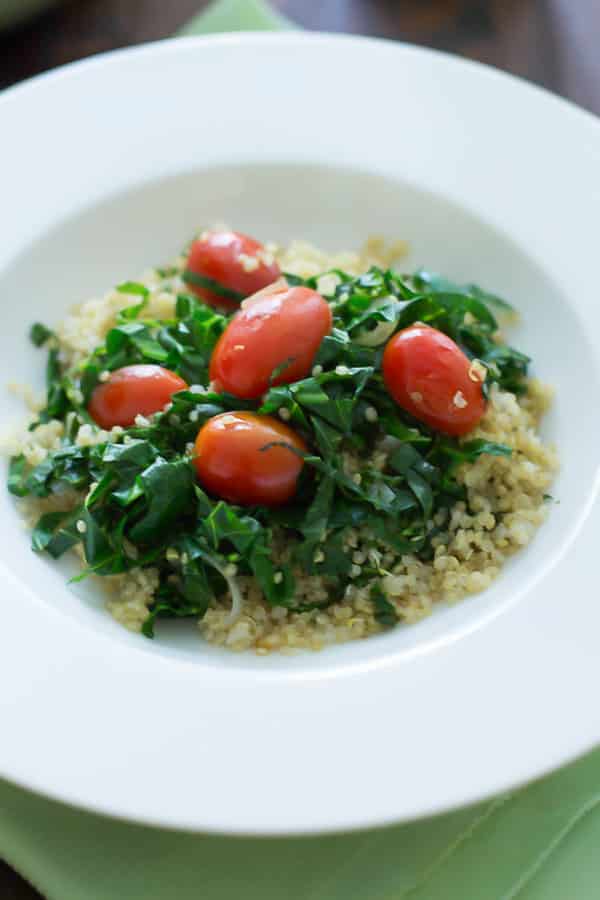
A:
{"x": 538, "y": 844}
{"x": 237, "y": 15}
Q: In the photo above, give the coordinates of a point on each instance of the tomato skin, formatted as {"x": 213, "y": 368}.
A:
{"x": 131, "y": 391}
{"x": 221, "y": 256}
{"x": 288, "y": 324}
{"x": 231, "y": 464}
{"x": 427, "y": 374}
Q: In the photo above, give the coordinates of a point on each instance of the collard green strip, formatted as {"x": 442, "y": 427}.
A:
{"x": 210, "y": 284}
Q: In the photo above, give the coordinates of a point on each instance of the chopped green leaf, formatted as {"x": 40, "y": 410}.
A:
{"x": 39, "y": 334}
{"x": 385, "y": 612}
{"x": 45, "y": 528}
{"x": 211, "y": 285}
{"x": 17, "y": 470}
{"x": 168, "y": 489}
{"x": 133, "y": 287}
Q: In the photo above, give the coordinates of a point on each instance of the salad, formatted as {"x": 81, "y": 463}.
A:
{"x": 290, "y": 449}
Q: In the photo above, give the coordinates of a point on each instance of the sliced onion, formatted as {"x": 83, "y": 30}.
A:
{"x": 237, "y": 603}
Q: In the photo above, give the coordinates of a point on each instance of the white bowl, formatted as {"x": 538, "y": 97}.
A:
{"x": 107, "y": 167}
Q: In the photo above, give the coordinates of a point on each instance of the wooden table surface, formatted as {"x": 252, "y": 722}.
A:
{"x": 552, "y": 42}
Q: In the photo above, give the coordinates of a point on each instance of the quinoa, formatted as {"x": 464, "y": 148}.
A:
{"x": 505, "y": 496}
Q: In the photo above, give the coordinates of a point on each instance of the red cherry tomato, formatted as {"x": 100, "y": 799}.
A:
{"x": 133, "y": 390}
{"x": 236, "y": 262}
{"x": 430, "y": 377}
{"x": 231, "y": 463}
{"x": 286, "y": 325}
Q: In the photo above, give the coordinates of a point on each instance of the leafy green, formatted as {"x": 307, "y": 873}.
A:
{"x": 431, "y": 282}
{"x": 456, "y": 455}
{"x": 470, "y": 450}
{"x": 210, "y": 284}
{"x": 135, "y": 289}
{"x": 190, "y": 597}
{"x": 39, "y": 334}
{"x": 57, "y": 400}
{"x": 16, "y": 482}
{"x": 45, "y": 529}
{"x": 168, "y": 489}
{"x": 224, "y": 524}
{"x": 385, "y": 612}
{"x": 314, "y": 523}
{"x": 330, "y": 396}
{"x": 57, "y": 535}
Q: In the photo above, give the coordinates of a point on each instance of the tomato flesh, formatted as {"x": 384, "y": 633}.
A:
{"x": 430, "y": 377}
{"x": 279, "y": 328}
{"x": 232, "y": 464}
{"x": 131, "y": 391}
{"x": 235, "y": 262}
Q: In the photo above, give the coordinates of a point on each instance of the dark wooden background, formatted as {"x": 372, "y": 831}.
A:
{"x": 553, "y": 42}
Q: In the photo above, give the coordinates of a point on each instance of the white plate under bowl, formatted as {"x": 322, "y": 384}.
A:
{"x": 107, "y": 167}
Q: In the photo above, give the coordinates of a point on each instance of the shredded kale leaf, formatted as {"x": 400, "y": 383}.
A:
{"x": 210, "y": 284}
{"x": 385, "y": 612}
{"x": 138, "y": 502}
{"x": 39, "y": 334}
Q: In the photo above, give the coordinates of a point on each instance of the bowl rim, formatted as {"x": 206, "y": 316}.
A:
{"x": 294, "y": 37}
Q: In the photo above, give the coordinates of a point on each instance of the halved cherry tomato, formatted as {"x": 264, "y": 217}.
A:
{"x": 430, "y": 377}
{"x": 237, "y": 265}
{"x": 132, "y": 390}
{"x": 231, "y": 462}
{"x": 280, "y": 328}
